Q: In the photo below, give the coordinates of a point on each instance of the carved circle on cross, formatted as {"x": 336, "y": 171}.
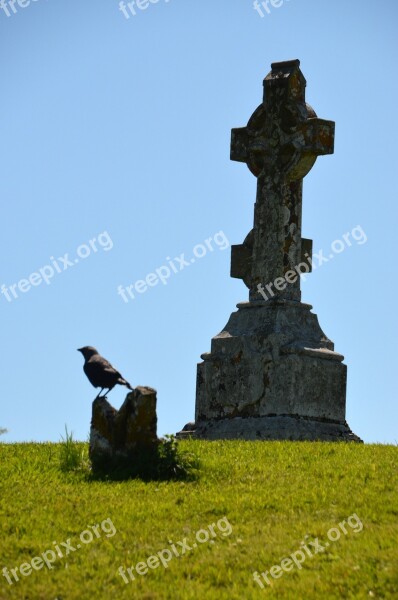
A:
{"x": 272, "y": 150}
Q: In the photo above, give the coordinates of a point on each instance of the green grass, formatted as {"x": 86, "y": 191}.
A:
{"x": 73, "y": 456}
{"x": 273, "y": 494}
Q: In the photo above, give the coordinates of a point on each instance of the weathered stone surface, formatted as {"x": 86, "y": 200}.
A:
{"x": 280, "y": 145}
{"x": 272, "y": 373}
{"x": 125, "y": 433}
{"x": 271, "y": 359}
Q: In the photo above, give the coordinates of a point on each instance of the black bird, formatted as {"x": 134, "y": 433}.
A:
{"x": 100, "y": 372}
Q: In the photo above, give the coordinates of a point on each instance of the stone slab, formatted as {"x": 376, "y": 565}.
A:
{"x": 294, "y": 428}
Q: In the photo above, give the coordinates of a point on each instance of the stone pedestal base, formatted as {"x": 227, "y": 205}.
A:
{"x": 270, "y": 428}
{"x": 272, "y": 374}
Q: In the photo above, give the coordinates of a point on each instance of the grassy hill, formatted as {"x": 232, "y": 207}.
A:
{"x": 329, "y": 511}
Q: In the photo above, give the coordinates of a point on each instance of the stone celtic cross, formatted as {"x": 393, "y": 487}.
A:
{"x": 272, "y": 373}
{"x": 279, "y": 145}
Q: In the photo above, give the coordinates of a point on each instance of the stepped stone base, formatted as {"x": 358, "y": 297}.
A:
{"x": 280, "y": 427}
{"x": 271, "y": 374}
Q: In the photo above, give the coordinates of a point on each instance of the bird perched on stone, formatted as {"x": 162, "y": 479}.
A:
{"x": 100, "y": 372}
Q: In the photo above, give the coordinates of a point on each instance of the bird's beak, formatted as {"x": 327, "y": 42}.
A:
{"x": 79, "y": 349}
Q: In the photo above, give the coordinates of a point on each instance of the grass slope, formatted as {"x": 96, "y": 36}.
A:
{"x": 272, "y": 494}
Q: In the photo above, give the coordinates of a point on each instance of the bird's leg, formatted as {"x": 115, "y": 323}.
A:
{"x": 109, "y": 390}
{"x": 99, "y": 393}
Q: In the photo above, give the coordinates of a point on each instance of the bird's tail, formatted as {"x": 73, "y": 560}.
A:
{"x": 126, "y": 383}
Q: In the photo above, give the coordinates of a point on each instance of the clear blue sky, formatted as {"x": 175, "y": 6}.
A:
{"x": 121, "y": 127}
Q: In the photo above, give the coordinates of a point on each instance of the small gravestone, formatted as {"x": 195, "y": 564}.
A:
{"x": 272, "y": 373}
{"x": 122, "y": 437}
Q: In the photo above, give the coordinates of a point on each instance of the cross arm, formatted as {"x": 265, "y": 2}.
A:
{"x": 239, "y": 144}
{"x": 319, "y": 136}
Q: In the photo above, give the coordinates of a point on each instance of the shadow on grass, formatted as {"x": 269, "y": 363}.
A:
{"x": 164, "y": 462}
